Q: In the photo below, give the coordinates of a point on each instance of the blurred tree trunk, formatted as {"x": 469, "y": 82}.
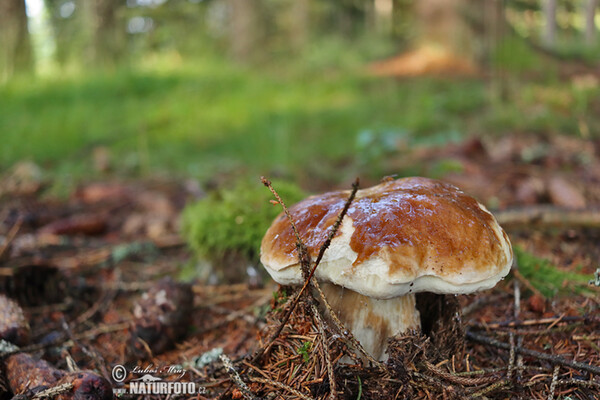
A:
{"x": 590, "y": 21}
{"x": 403, "y": 15}
{"x": 549, "y": 10}
{"x": 71, "y": 29}
{"x": 107, "y": 35}
{"x": 495, "y": 31}
{"x": 300, "y": 24}
{"x": 243, "y": 29}
{"x": 469, "y": 28}
{"x": 15, "y": 45}
{"x": 384, "y": 11}
{"x": 442, "y": 24}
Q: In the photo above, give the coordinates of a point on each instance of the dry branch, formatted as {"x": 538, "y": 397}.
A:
{"x": 536, "y": 354}
{"x": 304, "y": 258}
{"x": 548, "y": 217}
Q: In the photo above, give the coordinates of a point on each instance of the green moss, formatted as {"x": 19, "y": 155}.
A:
{"x": 547, "y": 278}
{"x": 234, "y": 219}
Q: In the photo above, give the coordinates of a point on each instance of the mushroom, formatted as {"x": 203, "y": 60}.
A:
{"x": 398, "y": 238}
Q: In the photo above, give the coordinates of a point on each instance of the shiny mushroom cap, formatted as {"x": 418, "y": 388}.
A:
{"x": 404, "y": 236}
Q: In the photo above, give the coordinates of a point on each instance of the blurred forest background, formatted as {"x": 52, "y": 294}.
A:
{"x": 301, "y": 89}
{"x": 133, "y": 134}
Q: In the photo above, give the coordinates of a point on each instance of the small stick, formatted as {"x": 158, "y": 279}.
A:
{"x": 303, "y": 254}
{"x": 578, "y": 382}
{"x": 304, "y": 259}
{"x": 90, "y": 334}
{"x": 511, "y": 356}
{"x": 490, "y": 388}
{"x": 343, "y": 331}
{"x": 461, "y": 380}
{"x": 53, "y": 391}
{"x": 235, "y": 378}
{"x": 517, "y": 315}
{"x": 11, "y": 235}
{"x": 336, "y": 226}
{"x": 549, "y": 216}
{"x": 542, "y": 356}
{"x": 283, "y": 386}
{"x": 332, "y": 389}
{"x": 541, "y": 321}
{"x": 554, "y": 382}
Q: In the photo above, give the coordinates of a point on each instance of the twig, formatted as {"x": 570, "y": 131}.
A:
{"x": 578, "y": 382}
{"x": 335, "y": 227}
{"x": 323, "y": 337}
{"x": 303, "y": 254}
{"x": 53, "y": 391}
{"x": 542, "y": 356}
{"x": 235, "y": 378}
{"x": 511, "y": 356}
{"x": 517, "y": 315}
{"x": 92, "y": 333}
{"x": 540, "y": 332}
{"x": 549, "y": 216}
{"x": 554, "y": 382}
{"x": 461, "y": 380}
{"x": 541, "y": 321}
{"x": 304, "y": 260}
{"x": 283, "y": 386}
{"x": 339, "y": 325}
{"x": 490, "y": 388}
{"x": 11, "y": 235}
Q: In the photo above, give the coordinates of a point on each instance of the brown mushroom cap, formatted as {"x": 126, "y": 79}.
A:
{"x": 405, "y": 236}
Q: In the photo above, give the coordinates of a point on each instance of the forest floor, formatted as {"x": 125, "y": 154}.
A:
{"x": 85, "y": 270}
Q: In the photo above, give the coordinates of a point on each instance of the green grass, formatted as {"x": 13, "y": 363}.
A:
{"x": 192, "y": 121}
{"x": 206, "y": 117}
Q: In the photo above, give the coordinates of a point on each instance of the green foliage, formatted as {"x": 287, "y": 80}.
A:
{"x": 210, "y": 117}
{"x": 303, "y": 350}
{"x": 546, "y": 277}
{"x": 234, "y": 219}
{"x": 513, "y": 54}
{"x": 445, "y": 166}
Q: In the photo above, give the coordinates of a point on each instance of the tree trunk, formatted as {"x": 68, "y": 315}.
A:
{"x": 107, "y": 35}
{"x": 384, "y": 10}
{"x": 494, "y": 33}
{"x": 15, "y": 45}
{"x": 442, "y": 24}
{"x": 590, "y": 22}
{"x": 549, "y": 9}
{"x": 243, "y": 29}
{"x": 300, "y": 24}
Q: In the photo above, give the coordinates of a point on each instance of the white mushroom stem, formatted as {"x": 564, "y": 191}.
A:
{"x": 372, "y": 321}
